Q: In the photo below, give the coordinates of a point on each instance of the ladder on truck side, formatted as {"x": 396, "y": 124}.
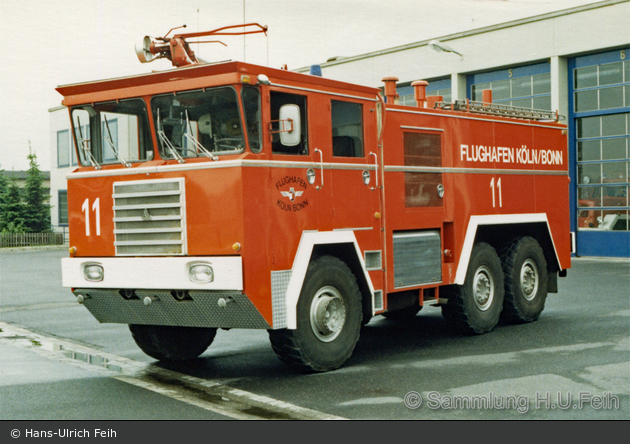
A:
{"x": 496, "y": 109}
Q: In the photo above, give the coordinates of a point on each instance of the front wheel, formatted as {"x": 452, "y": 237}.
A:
{"x": 166, "y": 343}
{"x": 476, "y": 306}
{"x": 329, "y": 316}
{"x": 526, "y": 279}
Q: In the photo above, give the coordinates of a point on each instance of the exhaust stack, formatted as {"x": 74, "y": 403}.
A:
{"x": 420, "y": 92}
{"x": 390, "y": 89}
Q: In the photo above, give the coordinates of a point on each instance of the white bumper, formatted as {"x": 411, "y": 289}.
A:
{"x": 153, "y": 273}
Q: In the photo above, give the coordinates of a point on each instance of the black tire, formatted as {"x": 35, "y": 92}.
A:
{"x": 475, "y": 307}
{"x": 404, "y": 313}
{"x": 329, "y": 317}
{"x": 526, "y": 277}
{"x": 166, "y": 343}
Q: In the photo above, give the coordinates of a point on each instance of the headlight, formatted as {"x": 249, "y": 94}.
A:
{"x": 200, "y": 273}
{"x": 93, "y": 272}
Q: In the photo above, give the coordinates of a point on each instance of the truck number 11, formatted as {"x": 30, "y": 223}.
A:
{"x": 498, "y": 191}
{"x": 96, "y": 207}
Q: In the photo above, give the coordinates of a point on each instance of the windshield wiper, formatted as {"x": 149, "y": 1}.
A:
{"x": 85, "y": 145}
{"x": 164, "y": 140}
{"x": 108, "y": 138}
{"x": 195, "y": 142}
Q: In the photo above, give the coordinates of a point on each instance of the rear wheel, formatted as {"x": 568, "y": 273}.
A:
{"x": 329, "y": 316}
{"x": 526, "y": 279}
{"x": 475, "y": 307}
{"x": 166, "y": 343}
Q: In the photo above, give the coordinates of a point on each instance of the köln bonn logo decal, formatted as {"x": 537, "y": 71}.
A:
{"x": 291, "y": 190}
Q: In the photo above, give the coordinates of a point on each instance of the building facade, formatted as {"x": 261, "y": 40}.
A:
{"x": 575, "y": 61}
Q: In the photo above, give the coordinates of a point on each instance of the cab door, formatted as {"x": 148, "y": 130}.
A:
{"x": 352, "y": 156}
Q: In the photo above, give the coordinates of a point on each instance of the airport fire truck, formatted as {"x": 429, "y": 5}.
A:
{"x": 231, "y": 195}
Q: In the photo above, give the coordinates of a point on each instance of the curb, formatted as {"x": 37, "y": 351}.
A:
{"x": 600, "y": 259}
{"x": 37, "y": 248}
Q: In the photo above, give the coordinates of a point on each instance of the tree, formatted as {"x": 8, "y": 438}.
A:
{"x": 12, "y": 210}
{"x": 37, "y": 210}
{"x": 4, "y": 186}
{"x": 4, "y": 189}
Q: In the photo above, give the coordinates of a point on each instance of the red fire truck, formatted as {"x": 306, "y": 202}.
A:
{"x": 232, "y": 195}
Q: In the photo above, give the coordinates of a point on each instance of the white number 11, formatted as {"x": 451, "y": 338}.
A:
{"x": 97, "y": 209}
{"x": 499, "y": 192}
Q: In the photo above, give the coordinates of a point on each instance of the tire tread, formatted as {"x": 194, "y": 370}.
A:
{"x": 288, "y": 345}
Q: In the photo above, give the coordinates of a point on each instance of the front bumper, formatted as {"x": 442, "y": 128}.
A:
{"x": 159, "y": 291}
{"x": 157, "y": 273}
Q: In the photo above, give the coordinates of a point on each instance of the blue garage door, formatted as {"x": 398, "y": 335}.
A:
{"x": 599, "y": 134}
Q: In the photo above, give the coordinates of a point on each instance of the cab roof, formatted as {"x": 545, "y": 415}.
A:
{"x": 198, "y": 76}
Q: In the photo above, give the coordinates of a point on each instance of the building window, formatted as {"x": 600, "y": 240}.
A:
{"x": 438, "y": 87}
{"x": 526, "y": 86}
{"x": 110, "y": 140}
{"x": 601, "y": 107}
{"x": 602, "y": 87}
{"x": 63, "y": 148}
{"x": 62, "y": 206}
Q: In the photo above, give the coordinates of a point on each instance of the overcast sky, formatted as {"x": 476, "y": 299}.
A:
{"x": 47, "y": 43}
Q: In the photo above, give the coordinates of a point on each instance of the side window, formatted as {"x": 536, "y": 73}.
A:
{"x": 347, "y": 128}
{"x": 277, "y": 100}
{"x": 251, "y": 106}
{"x": 423, "y": 150}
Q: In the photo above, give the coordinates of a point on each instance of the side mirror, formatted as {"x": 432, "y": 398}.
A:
{"x": 290, "y": 125}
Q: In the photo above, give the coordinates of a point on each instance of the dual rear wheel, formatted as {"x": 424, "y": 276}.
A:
{"x": 512, "y": 286}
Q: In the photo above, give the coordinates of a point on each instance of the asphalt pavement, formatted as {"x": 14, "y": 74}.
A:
{"x": 573, "y": 363}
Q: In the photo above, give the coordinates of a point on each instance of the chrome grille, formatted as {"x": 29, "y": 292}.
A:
{"x": 149, "y": 218}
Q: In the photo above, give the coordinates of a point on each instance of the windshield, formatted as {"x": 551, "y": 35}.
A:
{"x": 198, "y": 123}
{"x": 112, "y": 132}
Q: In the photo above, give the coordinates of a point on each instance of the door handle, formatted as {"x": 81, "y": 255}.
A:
{"x": 375, "y": 170}
{"x": 321, "y": 168}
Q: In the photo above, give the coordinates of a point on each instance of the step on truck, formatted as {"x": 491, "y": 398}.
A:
{"x": 231, "y": 195}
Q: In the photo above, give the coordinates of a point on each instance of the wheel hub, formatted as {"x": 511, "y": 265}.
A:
{"x": 328, "y": 314}
{"x": 529, "y": 279}
{"x": 483, "y": 287}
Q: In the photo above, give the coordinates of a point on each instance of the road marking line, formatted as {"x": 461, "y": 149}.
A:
{"x": 206, "y": 394}
{"x": 42, "y": 306}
